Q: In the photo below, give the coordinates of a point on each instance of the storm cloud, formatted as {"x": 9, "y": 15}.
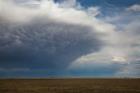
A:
{"x": 45, "y": 44}
{"x": 40, "y": 38}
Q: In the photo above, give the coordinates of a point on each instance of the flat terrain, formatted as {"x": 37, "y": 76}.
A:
{"x": 70, "y": 86}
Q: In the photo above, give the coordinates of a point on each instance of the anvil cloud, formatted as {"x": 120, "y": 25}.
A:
{"x": 64, "y": 38}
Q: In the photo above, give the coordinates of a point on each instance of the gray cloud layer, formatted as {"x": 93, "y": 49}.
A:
{"x": 44, "y": 44}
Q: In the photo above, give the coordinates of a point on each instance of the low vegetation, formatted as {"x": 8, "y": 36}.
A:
{"x": 70, "y": 86}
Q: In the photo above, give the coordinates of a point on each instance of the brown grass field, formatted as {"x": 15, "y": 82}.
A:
{"x": 70, "y": 86}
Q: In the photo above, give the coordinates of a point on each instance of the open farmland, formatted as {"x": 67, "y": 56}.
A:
{"x": 70, "y": 86}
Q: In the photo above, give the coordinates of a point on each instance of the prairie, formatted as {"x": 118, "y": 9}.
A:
{"x": 70, "y": 86}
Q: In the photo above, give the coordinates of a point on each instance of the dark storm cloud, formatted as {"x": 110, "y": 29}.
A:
{"x": 44, "y": 44}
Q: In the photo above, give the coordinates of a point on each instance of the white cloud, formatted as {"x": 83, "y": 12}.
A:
{"x": 51, "y": 10}
{"x": 134, "y": 8}
{"x": 122, "y": 45}
{"x": 93, "y": 11}
{"x": 13, "y": 13}
{"x": 68, "y": 3}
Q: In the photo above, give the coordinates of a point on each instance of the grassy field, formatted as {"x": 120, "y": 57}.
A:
{"x": 70, "y": 86}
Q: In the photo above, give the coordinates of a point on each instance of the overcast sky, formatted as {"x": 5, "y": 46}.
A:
{"x": 69, "y": 38}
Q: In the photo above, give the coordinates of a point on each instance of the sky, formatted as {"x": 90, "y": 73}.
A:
{"x": 69, "y": 38}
